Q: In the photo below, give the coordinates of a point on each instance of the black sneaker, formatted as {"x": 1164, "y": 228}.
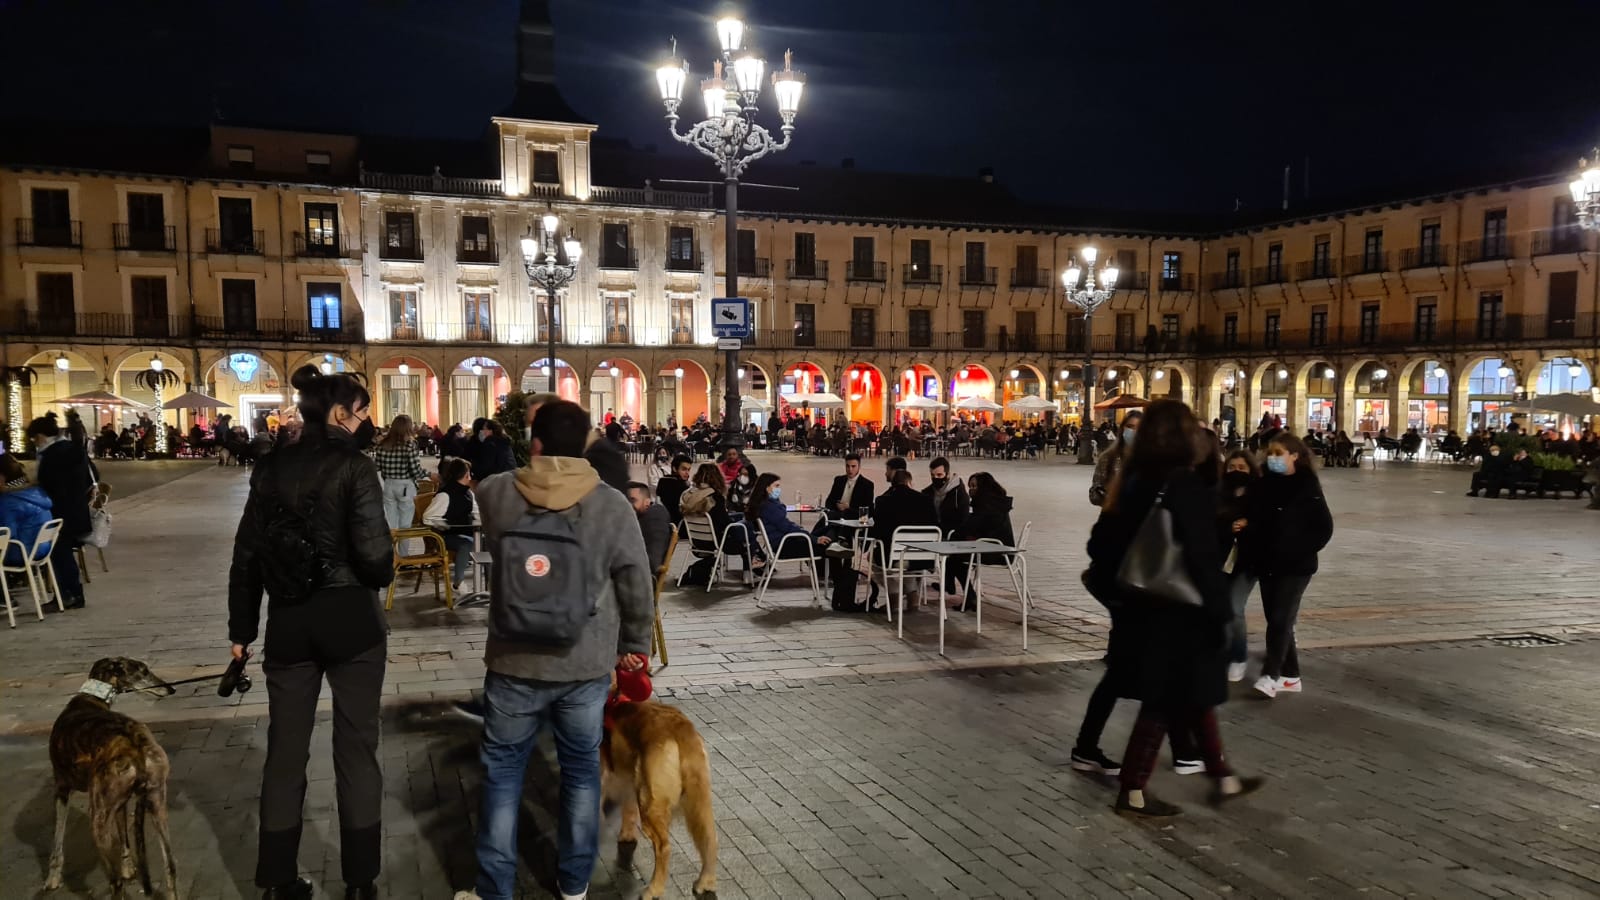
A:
{"x": 298, "y": 889}
{"x": 1151, "y": 808}
{"x": 1095, "y": 762}
{"x": 1246, "y": 786}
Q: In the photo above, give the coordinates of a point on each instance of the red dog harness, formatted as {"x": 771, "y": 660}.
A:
{"x": 632, "y": 687}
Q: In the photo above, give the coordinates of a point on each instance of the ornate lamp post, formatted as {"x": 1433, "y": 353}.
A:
{"x": 551, "y": 275}
{"x": 730, "y": 136}
{"x": 1088, "y": 299}
{"x": 1586, "y": 192}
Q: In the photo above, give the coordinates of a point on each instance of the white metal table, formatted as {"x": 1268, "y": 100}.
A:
{"x": 972, "y": 550}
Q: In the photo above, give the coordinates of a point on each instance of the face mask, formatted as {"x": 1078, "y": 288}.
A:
{"x": 1494, "y": 452}
{"x": 1278, "y": 465}
{"x": 940, "y": 482}
{"x": 527, "y": 433}
{"x": 777, "y": 493}
{"x": 1127, "y": 436}
{"x": 1236, "y": 479}
{"x": 363, "y": 434}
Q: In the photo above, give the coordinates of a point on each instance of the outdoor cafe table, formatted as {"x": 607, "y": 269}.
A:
{"x": 800, "y": 510}
{"x": 972, "y": 550}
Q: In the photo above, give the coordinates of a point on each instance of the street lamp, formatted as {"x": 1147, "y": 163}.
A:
{"x": 730, "y": 136}
{"x": 550, "y": 274}
{"x": 1586, "y": 192}
{"x": 1088, "y": 299}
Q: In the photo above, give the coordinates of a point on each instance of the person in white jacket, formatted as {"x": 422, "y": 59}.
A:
{"x": 454, "y": 514}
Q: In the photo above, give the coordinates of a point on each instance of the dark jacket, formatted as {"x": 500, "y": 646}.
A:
{"x": 740, "y": 488}
{"x": 490, "y": 457}
{"x": 775, "y": 517}
{"x": 656, "y": 527}
{"x": 991, "y": 518}
{"x": 23, "y": 511}
{"x": 1233, "y": 503}
{"x": 324, "y": 472}
{"x": 64, "y": 475}
{"x": 608, "y": 460}
{"x": 1169, "y": 656}
{"x": 860, "y": 497}
{"x": 1288, "y": 523}
{"x": 901, "y": 506}
{"x": 953, "y": 511}
{"x": 669, "y": 491}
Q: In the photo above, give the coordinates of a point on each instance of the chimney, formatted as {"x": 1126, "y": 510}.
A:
{"x": 536, "y": 44}
{"x": 849, "y": 162}
{"x": 986, "y": 175}
{"x": 1285, "y": 187}
{"x": 1305, "y": 173}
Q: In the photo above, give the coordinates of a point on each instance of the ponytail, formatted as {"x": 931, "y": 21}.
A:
{"x": 320, "y": 393}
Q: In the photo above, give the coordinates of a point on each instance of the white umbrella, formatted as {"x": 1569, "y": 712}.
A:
{"x": 826, "y": 398}
{"x": 1031, "y": 404}
{"x": 917, "y": 401}
{"x": 753, "y": 402}
{"x": 194, "y": 400}
{"x": 978, "y": 404}
{"x": 98, "y": 398}
{"x": 1565, "y": 404}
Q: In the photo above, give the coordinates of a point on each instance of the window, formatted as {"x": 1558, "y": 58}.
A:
{"x": 477, "y": 240}
{"x": 241, "y": 159}
{"x": 1494, "y": 234}
{"x": 1075, "y": 333}
{"x": 1372, "y": 251}
{"x": 1491, "y": 315}
{"x": 1426, "y": 327}
{"x": 1563, "y": 308}
{"x": 1171, "y": 327}
{"x": 863, "y": 326}
{"x": 976, "y": 270}
{"x": 52, "y": 212}
{"x": 919, "y": 327}
{"x": 1127, "y": 264}
{"x": 1027, "y": 324}
{"x": 616, "y": 246}
{"x": 1230, "y": 331}
{"x": 322, "y": 229}
{"x": 476, "y": 310}
{"x": 805, "y": 325}
{"x": 616, "y": 313}
{"x": 1171, "y": 270}
{"x": 1124, "y": 334}
{"x": 805, "y": 254}
{"x": 1320, "y": 249}
{"x": 1567, "y": 236}
{"x": 747, "y": 252}
{"x": 403, "y": 315}
{"x": 149, "y": 296}
{"x": 680, "y": 249}
{"x": 236, "y": 224}
{"x": 319, "y": 162}
{"x": 1319, "y": 326}
{"x": 1428, "y": 244}
{"x": 682, "y": 313}
{"x": 863, "y": 256}
{"x": 546, "y": 311}
{"x": 1230, "y": 270}
{"x": 1369, "y": 323}
{"x": 322, "y": 298}
{"x": 973, "y": 323}
{"x": 147, "y": 223}
{"x": 1274, "y": 263}
{"x": 238, "y": 305}
{"x": 57, "y": 307}
{"x": 400, "y": 230}
{"x": 546, "y": 167}
{"x": 1028, "y": 267}
{"x": 921, "y": 261}
{"x": 1272, "y": 331}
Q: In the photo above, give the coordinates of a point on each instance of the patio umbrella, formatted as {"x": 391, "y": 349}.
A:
{"x": 98, "y": 398}
{"x": 1123, "y": 401}
{"x": 917, "y": 401}
{"x": 826, "y": 398}
{"x": 1565, "y": 404}
{"x": 978, "y": 404}
{"x": 194, "y": 400}
{"x": 1031, "y": 404}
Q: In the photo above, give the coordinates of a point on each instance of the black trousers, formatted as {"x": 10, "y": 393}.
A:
{"x": 1280, "y": 600}
{"x": 292, "y": 690}
{"x": 1102, "y": 701}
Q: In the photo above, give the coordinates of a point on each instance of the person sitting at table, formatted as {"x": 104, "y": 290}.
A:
{"x": 851, "y": 492}
{"x": 453, "y": 513}
{"x": 708, "y": 496}
{"x": 654, "y": 523}
{"x": 1343, "y": 449}
{"x": 670, "y": 489}
{"x": 767, "y": 507}
{"x": 900, "y": 506}
{"x": 991, "y": 518}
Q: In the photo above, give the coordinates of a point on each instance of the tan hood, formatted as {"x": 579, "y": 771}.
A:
{"x": 556, "y": 482}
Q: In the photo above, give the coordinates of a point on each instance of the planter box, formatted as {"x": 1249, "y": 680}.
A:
{"x": 1558, "y": 482}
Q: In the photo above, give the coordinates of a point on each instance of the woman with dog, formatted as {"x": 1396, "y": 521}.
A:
{"x": 314, "y": 538}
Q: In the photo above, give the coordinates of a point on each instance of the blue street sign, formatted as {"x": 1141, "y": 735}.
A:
{"x": 730, "y": 317}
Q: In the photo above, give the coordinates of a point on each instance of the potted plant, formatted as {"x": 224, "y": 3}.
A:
{"x": 1560, "y": 474}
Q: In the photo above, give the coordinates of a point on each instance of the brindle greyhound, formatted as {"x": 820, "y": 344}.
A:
{"x": 117, "y": 762}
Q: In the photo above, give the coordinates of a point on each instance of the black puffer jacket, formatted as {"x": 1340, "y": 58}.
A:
{"x": 1289, "y": 523}
{"x": 323, "y": 473}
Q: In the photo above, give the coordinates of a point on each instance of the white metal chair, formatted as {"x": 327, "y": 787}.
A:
{"x": 775, "y": 556}
{"x": 35, "y": 564}
{"x": 1016, "y": 565}
{"x": 5, "y": 585}
{"x": 702, "y": 535}
{"x": 899, "y": 553}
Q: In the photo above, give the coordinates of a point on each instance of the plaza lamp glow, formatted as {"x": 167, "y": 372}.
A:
{"x": 1096, "y": 290}
{"x": 548, "y": 272}
{"x": 1574, "y": 369}
{"x": 731, "y": 138}
{"x": 158, "y": 378}
{"x": 17, "y": 378}
{"x": 62, "y": 362}
{"x": 403, "y": 369}
{"x": 1586, "y": 192}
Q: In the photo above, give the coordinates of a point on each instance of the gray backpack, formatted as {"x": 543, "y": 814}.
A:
{"x": 537, "y": 584}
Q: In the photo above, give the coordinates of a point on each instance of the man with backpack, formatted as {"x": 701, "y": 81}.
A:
{"x": 570, "y": 600}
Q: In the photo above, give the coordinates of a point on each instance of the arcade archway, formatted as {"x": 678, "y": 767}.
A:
{"x": 404, "y": 385}
{"x": 536, "y": 379}
{"x": 866, "y": 391}
{"x": 616, "y": 391}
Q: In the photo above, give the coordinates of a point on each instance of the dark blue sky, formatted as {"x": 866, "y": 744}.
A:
{"x": 1138, "y": 104}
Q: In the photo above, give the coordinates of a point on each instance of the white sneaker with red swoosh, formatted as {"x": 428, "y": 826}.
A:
{"x": 1289, "y": 686}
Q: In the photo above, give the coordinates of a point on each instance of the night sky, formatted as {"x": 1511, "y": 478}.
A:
{"x": 1181, "y": 106}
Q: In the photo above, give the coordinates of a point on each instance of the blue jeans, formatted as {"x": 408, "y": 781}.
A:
{"x": 460, "y": 556}
{"x": 515, "y": 711}
{"x": 1239, "y": 587}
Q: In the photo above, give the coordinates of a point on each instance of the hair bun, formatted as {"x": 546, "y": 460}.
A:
{"x": 304, "y": 377}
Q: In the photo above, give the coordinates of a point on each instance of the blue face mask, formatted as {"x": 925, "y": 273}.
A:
{"x": 1127, "y": 436}
{"x": 1278, "y": 465}
{"x": 777, "y": 493}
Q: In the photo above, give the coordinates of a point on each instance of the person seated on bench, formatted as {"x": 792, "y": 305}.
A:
{"x": 1522, "y": 473}
{"x": 1410, "y": 443}
{"x": 1489, "y": 474}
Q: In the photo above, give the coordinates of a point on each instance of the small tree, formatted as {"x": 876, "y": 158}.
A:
{"x": 512, "y": 416}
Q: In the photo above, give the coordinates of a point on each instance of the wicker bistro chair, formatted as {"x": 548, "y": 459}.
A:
{"x": 658, "y": 642}
{"x": 434, "y": 557}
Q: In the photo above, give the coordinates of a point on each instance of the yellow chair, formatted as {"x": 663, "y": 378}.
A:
{"x": 658, "y": 642}
{"x": 435, "y": 557}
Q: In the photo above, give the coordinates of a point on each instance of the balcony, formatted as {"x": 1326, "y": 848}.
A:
{"x": 1430, "y": 257}
{"x": 97, "y": 325}
{"x": 1366, "y": 263}
{"x": 146, "y": 238}
{"x": 755, "y": 267}
{"x": 681, "y": 337}
{"x": 620, "y": 258}
{"x": 33, "y": 233}
{"x": 1131, "y": 280}
{"x": 1269, "y": 274}
{"x": 1180, "y": 282}
{"x": 1549, "y": 241}
{"x": 808, "y": 270}
{"x": 690, "y": 263}
{"x": 866, "y": 270}
{"x": 1311, "y": 271}
{"x": 477, "y": 252}
{"x": 1225, "y": 281}
{"x": 980, "y": 276}
{"x": 401, "y": 252}
{"x": 1029, "y": 279}
{"x": 240, "y": 241}
{"x": 320, "y": 246}
{"x": 1488, "y": 250}
{"x": 916, "y": 273}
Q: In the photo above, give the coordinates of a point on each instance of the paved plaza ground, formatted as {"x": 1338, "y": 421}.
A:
{"x": 1423, "y": 761}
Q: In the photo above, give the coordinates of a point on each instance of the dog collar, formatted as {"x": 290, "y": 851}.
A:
{"x": 99, "y": 690}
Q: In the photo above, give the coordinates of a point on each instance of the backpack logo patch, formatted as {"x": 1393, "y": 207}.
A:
{"x": 537, "y": 565}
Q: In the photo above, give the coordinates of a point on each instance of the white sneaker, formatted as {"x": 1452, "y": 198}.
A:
{"x": 1289, "y": 686}
{"x": 1267, "y": 685}
{"x": 466, "y": 895}
{"x": 1236, "y": 671}
{"x": 1188, "y": 766}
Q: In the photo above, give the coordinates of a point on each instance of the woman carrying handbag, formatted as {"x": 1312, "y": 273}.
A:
{"x": 1154, "y": 555}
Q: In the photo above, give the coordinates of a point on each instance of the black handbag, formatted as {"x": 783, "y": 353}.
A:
{"x": 1153, "y": 571}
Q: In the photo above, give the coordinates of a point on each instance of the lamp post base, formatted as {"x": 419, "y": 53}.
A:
{"x": 730, "y": 436}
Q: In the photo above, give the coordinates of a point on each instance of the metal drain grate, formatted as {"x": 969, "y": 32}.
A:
{"x": 1526, "y": 639}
